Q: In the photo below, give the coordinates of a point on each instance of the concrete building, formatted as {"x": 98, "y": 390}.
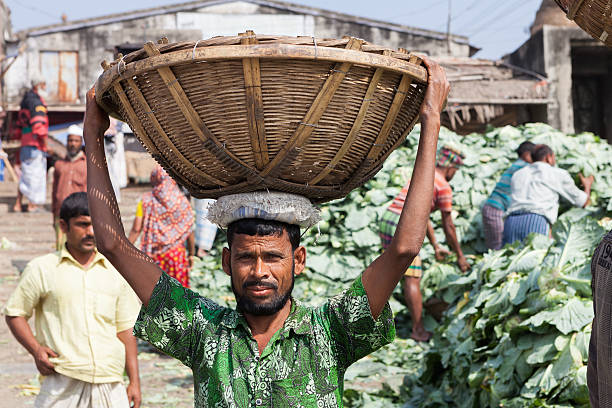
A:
{"x": 6, "y": 60}
{"x": 6, "y": 35}
{"x": 69, "y": 54}
{"x": 577, "y": 69}
{"x": 6, "y": 31}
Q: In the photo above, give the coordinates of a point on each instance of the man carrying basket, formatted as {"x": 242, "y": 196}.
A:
{"x": 271, "y": 350}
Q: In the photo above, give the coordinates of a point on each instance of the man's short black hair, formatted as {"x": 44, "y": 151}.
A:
{"x": 542, "y": 152}
{"x": 259, "y": 227}
{"x": 525, "y": 147}
{"x": 74, "y": 205}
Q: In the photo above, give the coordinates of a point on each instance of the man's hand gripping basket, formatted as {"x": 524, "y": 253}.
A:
{"x": 238, "y": 114}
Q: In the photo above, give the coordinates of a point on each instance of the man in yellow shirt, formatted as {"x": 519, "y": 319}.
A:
{"x": 85, "y": 312}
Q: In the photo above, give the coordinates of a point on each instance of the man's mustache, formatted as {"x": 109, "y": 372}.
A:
{"x": 265, "y": 284}
{"x": 88, "y": 238}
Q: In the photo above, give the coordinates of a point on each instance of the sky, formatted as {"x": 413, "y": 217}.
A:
{"x": 494, "y": 26}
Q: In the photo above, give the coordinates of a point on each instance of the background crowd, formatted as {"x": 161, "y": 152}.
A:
{"x": 173, "y": 230}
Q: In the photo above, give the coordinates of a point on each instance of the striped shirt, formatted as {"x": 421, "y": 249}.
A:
{"x": 442, "y": 196}
{"x": 500, "y": 197}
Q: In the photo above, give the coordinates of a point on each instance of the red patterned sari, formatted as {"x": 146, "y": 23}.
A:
{"x": 167, "y": 222}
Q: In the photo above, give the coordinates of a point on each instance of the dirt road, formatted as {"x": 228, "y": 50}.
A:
{"x": 165, "y": 382}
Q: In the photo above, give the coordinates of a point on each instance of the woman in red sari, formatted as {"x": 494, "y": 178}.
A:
{"x": 165, "y": 218}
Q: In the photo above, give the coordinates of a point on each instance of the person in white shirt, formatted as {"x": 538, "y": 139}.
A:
{"x": 535, "y": 192}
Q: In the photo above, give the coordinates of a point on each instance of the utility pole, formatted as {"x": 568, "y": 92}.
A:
{"x": 448, "y": 28}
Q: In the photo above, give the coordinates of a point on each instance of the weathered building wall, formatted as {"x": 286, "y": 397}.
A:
{"x": 531, "y": 54}
{"x": 6, "y": 33}
{"x": 93, "y": 45}
{"x": 97, "y": 39}
{"x": 6, "y": 30}
{"x": 427, "y": 42}
{"x": 549, "y": 52}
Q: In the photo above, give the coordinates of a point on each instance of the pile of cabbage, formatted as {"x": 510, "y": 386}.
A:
{"x": 517, "y": 327}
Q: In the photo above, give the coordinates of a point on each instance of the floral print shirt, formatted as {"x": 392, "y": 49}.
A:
{"x": 303, "y": 365}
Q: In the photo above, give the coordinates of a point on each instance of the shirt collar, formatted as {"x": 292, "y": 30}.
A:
{"x": 65, "y": 255}
{"x": 297, "y": 320}
{"x": 80, "y": 156}
{"x": 540, "y": 164}
{"x": 230, "y": 319}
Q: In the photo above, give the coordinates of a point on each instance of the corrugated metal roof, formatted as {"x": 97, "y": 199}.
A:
{"x": 192, "y": 5}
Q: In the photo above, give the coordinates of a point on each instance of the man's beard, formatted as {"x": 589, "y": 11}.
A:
{"x": 73, "y": 153}
{"x": 268, "y": 308}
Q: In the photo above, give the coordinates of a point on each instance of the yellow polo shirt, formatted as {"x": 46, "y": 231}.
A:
{"x": 78, "y": 313}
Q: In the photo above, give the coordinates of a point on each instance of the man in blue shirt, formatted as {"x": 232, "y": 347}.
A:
{"x": 499, "y": 200}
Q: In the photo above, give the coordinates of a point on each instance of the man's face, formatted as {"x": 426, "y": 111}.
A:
{"x": 74, "y": 145}
{"x": 527, "y": 157}
{"x": 79, "y": 233}
{"x": 41, "y": 89}
{"x": 550, "y": 159}
{"x": 450, "y": 173}
{"x": 262, "y": 270}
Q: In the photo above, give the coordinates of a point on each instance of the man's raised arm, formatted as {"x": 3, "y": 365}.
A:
{"x": 137, "y": 268}
{"x": 381, "y": 277}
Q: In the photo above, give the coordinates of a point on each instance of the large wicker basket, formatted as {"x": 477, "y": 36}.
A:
{"x": 238, "y": 114}
{"x": 593, "y": 16}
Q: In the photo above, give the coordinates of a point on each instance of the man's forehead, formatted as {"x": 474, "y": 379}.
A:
{"x": 245, "y": 241}
{"x": 81, "y": 219}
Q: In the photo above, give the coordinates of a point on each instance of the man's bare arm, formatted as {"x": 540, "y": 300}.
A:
{"x": 431, "y": 234}
{"x": 136, "y": 229}
{"x": 587, "y": 183}
{"x": 439, "y": 252}
{"x": 451, "y": 238}
{"x": 381, "y": 277}
{"x": 131, "y": 366}
{"x": 136, "y": 267}
{"x": 23, "y": 333}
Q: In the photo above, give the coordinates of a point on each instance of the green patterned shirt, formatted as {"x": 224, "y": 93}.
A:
{"x": 303, "y": 365}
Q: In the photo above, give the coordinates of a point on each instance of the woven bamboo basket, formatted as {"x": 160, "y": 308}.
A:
{"x": 295, "y": 114}
{"x": 593, "y": 16}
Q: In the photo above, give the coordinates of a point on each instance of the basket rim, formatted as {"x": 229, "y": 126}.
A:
{"x": 122, "y": 71}
{"x": 249, "y": 37}
{"x": 562, "y": 5}
{"x": 339, "y": 54}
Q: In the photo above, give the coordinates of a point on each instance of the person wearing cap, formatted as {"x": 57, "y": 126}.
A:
{"x": 34, "y": 126}
{"x": 534, "y": 196}
{"x": 498, "y": 202}
{"x": 270, "y": 350}
{"x": 70, "y": 176}
{"x": 448, "y": 160}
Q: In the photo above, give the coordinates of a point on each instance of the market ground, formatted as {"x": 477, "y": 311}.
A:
{"x": 165, "y": 382}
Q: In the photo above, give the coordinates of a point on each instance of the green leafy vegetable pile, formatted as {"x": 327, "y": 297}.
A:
{"x": 517, "y": 325}
{"x": 517, "y": 332}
